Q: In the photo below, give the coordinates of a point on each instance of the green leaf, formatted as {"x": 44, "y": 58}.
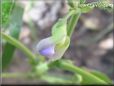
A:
{"x": 86, "y": 9}
{"x": 101, "y": 76}
{"x": 82, "y": 1}
{"x": 59, "y": 32}
{"x": 14, "y": 29}
{"x": 7, "y": 6}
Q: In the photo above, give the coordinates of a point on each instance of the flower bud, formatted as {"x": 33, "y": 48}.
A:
{"x": 46, "y": 47}
{"x": 54, "y": 47}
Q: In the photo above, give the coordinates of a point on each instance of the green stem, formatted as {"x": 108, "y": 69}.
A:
{"x": 72, "y": 12}
{"x": 72, "y": 23}
{"x": 14, "y": 75}
{"x": 46, "y": 77}
{"x": 57, "y": 79}
{"x": 19, "y": 45}
{"x": 90, "y": 78}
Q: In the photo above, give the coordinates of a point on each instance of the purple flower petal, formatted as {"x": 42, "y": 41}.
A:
{"x": 47, "y": 51}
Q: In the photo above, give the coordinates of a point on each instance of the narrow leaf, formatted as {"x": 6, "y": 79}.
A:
{"x": 14, "y": 29}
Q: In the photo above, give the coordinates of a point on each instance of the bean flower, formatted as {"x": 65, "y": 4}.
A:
{"x": 54, "y": 46}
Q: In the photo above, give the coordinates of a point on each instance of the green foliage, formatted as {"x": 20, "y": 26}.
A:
{"x": 101, "y": 76}
{"x": 14, "y": 30}
{"x": 62, "y": 79}
{"x": 60, "y": 39}
{"x": 87, "y": 78}
{"x": 86, "y": 9}
{"x": 59, "y": 34}
{"x": 19, "y": 45}
{"x": 7, "y": 6}
{"x": 72, "y": 23}
{"x": 73, "y": 3}
{"x": 82, "y": 1}
{"x": 41, "y": 69}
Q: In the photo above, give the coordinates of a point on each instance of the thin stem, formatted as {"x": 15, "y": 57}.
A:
{"x": 46, "y": 77}
{"x": 72, "y": 23}
{"x": 14, "y": 75}
{"x": 69, "y": 14}
{"x": 57, "y": 79}
{"x": 90, "y": 79}
{"x": 19, "y": 45}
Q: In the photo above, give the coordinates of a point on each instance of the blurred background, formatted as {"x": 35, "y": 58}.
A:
{"x": 91, "y": 43}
